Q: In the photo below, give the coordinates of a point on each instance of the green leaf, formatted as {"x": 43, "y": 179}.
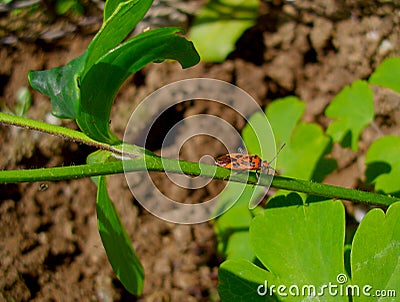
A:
{"x": 232, "y": 229}
{"x": 300, "y": 157}
{"x": 284, "y": 115}
{"x": 302, "y": 140}
{"x": 302, "y": 245}
{"x": 375, "y": 256}
{"x": 352, "y": 109}
{"x": 120, "y": 17}
{"x": 259, "y": 139}
{"x": 234, "y": 223}
{"x": 103, "y": 80}
{"x": 60, "y": 84}
{"x": 116, "y": 242}
{"x": 238, "y": 245}
{"x": 232, "y": 226}
{"x": 258, "y": 136}
{"x": 387, "y": 74}
{"x": 84, "y": 89}
{"x": 219, "y": 25}
{"x": 111, "y": 5}
{"x": 298, "y": 246}
{"x": 317, "y": 228}
{"x": 383, "y": 164}
{"x": 239, "y": 280}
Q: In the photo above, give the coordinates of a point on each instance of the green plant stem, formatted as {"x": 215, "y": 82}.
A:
{"x": 65, "y": 133}
{"x": 334, "y": 192}
{"x": 155, "y": 163}
{"x": 151, "y": 162}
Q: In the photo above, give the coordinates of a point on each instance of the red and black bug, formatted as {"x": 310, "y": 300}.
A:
{"x": 240, "y": 161}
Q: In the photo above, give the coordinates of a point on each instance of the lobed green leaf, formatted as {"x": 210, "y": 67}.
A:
{"x": 383, "y": 164}
{"x": 284, "y": 114}
{"x": 306, "y": 143}
{"x": 301, "y": 160}
{"x": 258, "y": 136}
{"x": 387, "y": 74}
{"x": 300, "y": 246}
{"x": 352, "y": 109}
{"x": 375, "y": 256}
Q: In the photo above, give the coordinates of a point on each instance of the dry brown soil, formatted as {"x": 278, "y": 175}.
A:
{"x": 50, "y": 248}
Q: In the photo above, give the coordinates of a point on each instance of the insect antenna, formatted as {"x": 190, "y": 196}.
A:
{"x": 279, "y": 151}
